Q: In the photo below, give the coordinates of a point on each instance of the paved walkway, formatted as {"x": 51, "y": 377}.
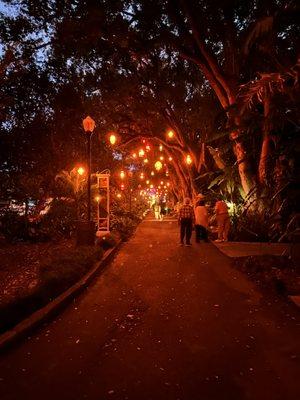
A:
{"x": 242, "y": 249}
{"x": 162, "y": 322}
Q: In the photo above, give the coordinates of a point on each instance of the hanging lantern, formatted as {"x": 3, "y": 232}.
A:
{"x": 158, "y": 165}
{"x": 141, "y": 153}
{"x": 188, "y": 159}
{"x": 170, "y": 134}
{"x": 112, "y": 139}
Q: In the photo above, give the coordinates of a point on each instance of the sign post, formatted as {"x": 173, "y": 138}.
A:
{"x": 103, "y": 211}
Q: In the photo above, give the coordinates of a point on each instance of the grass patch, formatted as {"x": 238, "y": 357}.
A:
{"x": 59, "y": 273}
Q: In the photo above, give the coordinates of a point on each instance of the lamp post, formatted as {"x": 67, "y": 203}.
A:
{"x": 89, "y": 126}
{"x": 86, "y": 229}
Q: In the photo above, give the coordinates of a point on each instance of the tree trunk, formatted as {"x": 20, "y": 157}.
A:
{"x": 265, "y": 148}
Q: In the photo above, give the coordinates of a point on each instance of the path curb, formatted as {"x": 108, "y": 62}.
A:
{"x": 52, "y": 308}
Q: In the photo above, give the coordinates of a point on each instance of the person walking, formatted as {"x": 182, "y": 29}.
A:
{"x": 223, "y": 220}
{"x": 157, "y": 211}
{"x": 186, "y": 218}
{"x": 201, "y": 221}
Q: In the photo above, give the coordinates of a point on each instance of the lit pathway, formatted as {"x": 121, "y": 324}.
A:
{"x": 162, "y": 322}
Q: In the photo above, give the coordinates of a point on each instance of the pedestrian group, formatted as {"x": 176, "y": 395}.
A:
{"x": 189, "y": 217}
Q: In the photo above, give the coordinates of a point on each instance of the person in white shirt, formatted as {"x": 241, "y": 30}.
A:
{"x": 201, "y": 221}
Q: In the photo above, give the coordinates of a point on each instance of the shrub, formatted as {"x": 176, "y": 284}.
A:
{"x": 107, "y": 242}
{"x": 59, "y": 221}
{"x": 124, "y": 223}
{"x": 14, "y": 226}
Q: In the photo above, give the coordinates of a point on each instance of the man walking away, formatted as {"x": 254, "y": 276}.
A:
{"x": 186, "y": 219}
{"x": 157, "y": 210}
{"x": 201, "y": 221}
{"x": 223, "y": 220}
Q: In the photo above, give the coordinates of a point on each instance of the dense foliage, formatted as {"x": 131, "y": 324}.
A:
{"x": 222, "y": 75}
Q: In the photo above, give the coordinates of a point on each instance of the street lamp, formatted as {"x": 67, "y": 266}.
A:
{"x": 86, "y": 230}
{"x": 80, "y": 171}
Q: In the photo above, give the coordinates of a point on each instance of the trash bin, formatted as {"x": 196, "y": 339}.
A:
{"x": 86, "y": 233}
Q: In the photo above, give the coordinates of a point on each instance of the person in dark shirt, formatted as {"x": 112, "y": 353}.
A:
{"x": 186, "y": 218}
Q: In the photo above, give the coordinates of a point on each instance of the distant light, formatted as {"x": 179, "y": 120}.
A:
{"x": 119, "y": 195}
{"x": 122, "y": 174}
{"x": 170, "y": 134}
{"x": 97, "y": 198}
{"x": 161, "y": 148}
{"x": 148, "y": 148}
{"x": 141, "y": 153}
{"x": 161, "y": 182}
{"x": 170, "y": 158}
{"x": 161, "y": 158}
{"x": 152, "y": 173}
{"x": 134, "y": 155}
{"x": 122, "y": 186}
{"x": 147, "y": 182}
{"x": 146, "y": 160}
{"x": 80, "y": 171}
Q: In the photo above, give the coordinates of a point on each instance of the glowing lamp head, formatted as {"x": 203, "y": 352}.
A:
{"x": 80, "y": 171}
{"x": 188, "y": 160}
{"x": 158, "y": 165}
{"x": 88, "y": 124}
